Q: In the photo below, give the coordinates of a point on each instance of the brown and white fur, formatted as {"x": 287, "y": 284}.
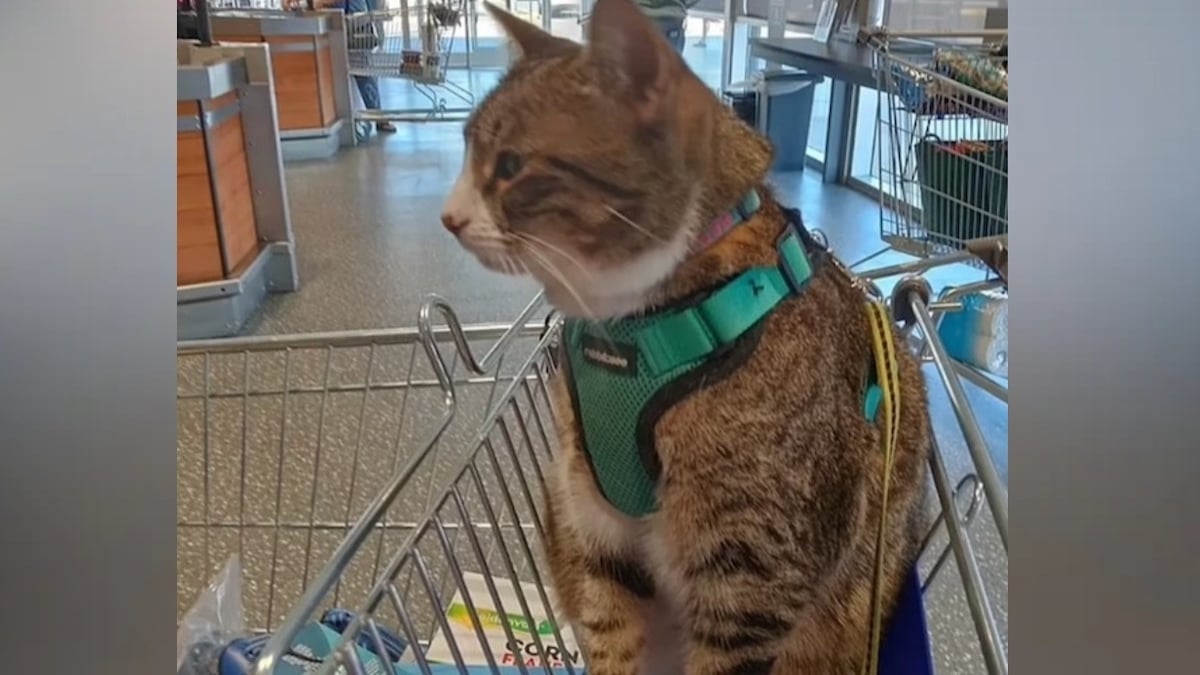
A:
{"x": 592, "y": 169}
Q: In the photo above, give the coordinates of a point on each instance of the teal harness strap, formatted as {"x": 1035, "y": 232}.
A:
{"x": 692, "y": 334}
{"x": 619, "y": 370}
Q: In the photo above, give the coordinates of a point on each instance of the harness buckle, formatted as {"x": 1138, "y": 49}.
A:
{"x": 794, "y": 263}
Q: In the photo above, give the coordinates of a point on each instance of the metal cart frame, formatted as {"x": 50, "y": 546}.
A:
{"x": 411, "y": 43}
{"x": 485, "y": 515}
{"x": 943, "y": 156}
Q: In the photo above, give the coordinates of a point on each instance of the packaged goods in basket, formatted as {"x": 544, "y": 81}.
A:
{"x": 922, "y": 92}
{"x": 214, "y": 619}
{"x": 978, "y": 335}
{"x": 523, "y": 648}
{"x": 977, "y": 71}
{"x": 313, "y": 645}
{"x": 212, "y": 638}
{"x": 964, "y": 188}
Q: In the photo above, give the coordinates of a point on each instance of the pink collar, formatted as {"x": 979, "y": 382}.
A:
{"x": 724, "y": 223}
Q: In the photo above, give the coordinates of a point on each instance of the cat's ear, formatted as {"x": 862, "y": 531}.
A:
{"x": 621, "y": 39}
{"x": 529, "y": 40}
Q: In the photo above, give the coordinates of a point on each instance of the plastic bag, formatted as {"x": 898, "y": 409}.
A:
{"x": 215, "y": 619}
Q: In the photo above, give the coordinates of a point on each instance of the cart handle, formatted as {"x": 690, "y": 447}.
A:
{"x": 434, "y": 302}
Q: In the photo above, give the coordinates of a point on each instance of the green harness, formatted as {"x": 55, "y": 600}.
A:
{"x": 625, "y": 374}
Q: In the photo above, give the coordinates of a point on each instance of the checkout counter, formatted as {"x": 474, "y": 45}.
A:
{"x": 310, "y": 68}
{"x": 234, "y": 242}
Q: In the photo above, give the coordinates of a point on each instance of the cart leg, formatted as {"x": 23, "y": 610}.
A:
{"x": 862, "y": 261}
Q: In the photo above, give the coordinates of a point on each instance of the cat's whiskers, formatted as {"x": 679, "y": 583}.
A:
{"x": 550, "y": 267}
{"x": 501, "y": 258}
{"x": 541, "y": 258}
{"x": 511, "y": 265}
{"x": 625, "y": 219}
{"x": 538, "y": 241}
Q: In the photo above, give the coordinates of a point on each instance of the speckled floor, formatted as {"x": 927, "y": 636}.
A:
{"x": 279, "y": 475}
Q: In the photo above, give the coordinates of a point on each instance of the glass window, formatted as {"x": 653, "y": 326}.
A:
{"x": 818, "y": 129}
{"x": 939, "y": 15}
{"x": 564, "y": 19}
{"x": 480, "y": 42}
{"x": 702, "y": 51}
{"x": 864, "y": 160}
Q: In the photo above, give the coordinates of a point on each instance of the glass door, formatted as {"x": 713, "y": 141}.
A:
{"x": 486, "y": 45}
{"x": 566, "y": 17}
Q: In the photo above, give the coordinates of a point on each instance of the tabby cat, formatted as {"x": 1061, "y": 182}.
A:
{"x": 594, "y": 169}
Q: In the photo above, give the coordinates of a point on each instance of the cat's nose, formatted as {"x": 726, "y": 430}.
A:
{"x": 453, "y": 224}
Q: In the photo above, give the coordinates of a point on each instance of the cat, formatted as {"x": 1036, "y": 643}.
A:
{"x": 593, "y": 169}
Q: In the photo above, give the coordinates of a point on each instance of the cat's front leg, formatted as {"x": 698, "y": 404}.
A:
{"x": 602, "y": 588}
{"x": 749, "y": 561}
{"x": 601, "y": 594}
{"x": 611, "y": 619}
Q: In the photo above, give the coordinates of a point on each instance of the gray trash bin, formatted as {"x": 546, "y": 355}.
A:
{"x": 785, "y": 101}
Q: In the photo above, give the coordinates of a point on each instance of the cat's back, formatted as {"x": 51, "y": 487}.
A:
{"x": 788, "y": 404}
{"x": 792, "y": 387}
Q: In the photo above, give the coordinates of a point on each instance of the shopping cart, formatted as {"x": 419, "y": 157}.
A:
{"x": 412, "y": 42}
{"x": 942, "y": 134}
{"x": 388, "y": 486}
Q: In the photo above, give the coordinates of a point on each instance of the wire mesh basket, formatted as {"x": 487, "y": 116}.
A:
{"x": 412, "y": 42}
{"x": 376, "y": 487}
{"x": 943, "y": 134}
{"x": 285, "y": 442}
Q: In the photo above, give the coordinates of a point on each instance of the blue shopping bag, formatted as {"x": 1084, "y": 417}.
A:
{"x": 906, "y": 649}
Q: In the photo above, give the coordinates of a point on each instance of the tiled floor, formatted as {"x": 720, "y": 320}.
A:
{"x": 369, "y": 247}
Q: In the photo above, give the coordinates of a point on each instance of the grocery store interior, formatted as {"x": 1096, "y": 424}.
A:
{"x": 344, "y": 231}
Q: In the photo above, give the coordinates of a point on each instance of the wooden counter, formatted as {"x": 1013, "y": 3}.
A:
{"x": 215, "y": 221}
{"x": 301, "y": 61}
{"x": 234, "y": 236}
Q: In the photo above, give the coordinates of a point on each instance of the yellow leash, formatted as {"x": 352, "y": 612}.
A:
{"x": 887, "y": 371}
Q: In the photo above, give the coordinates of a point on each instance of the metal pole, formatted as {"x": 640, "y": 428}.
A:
{"x": 982, "y": 381}
{"x": 776, "y": 18}
{"x": 203, "y": 23}
{"x": 729, "y": 16}
{"x": 968, "y": 568}
{"x": 986, "y": 468}
{"x": 917, "y": 266}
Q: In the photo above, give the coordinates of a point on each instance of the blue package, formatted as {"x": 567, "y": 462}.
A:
{"x": 908, "y": 89}
{"x": 340, "y": 619}
{"x": 314, "y": 643}
{"x": 978, "y": 334}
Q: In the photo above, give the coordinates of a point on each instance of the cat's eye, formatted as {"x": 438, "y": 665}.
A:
{"x": 508, "y": 165}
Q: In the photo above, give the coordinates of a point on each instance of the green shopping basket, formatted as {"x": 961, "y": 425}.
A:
{"x": 964, "y": 189}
